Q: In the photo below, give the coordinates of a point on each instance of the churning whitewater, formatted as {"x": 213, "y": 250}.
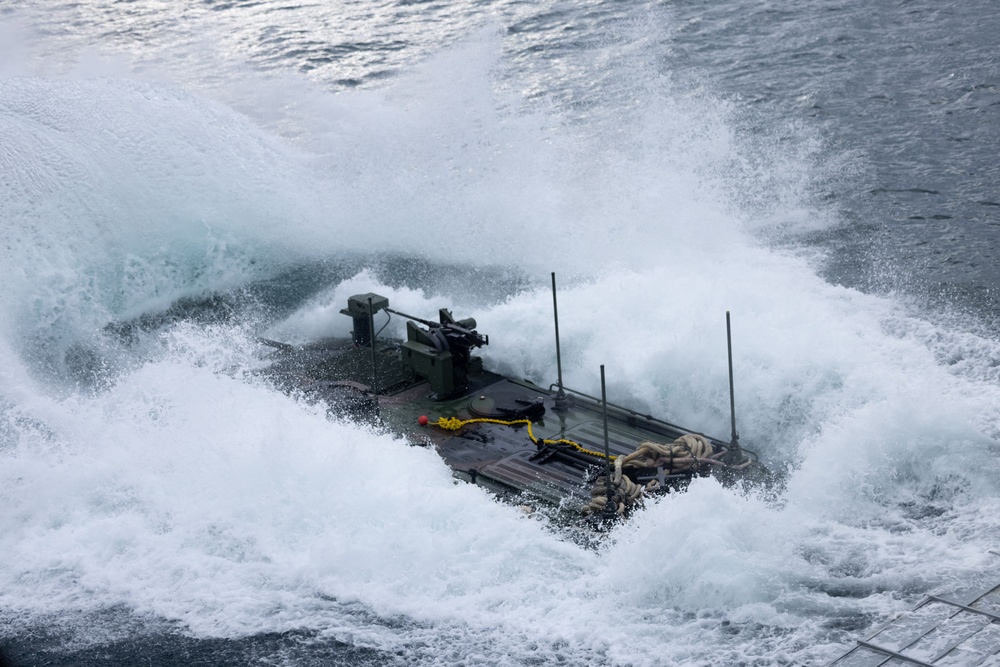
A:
{"x": 155, "y": 219}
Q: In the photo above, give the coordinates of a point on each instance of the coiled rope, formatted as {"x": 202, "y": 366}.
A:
{"x": 685, "y": 454}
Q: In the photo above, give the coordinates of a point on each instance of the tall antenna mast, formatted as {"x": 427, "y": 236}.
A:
{"x": 561, "y": 399}
{"x": 607, "y": 446}
{"x": 735, "y": 442}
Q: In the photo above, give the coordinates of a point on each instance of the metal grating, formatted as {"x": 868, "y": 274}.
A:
{"x": 938, "y": 632}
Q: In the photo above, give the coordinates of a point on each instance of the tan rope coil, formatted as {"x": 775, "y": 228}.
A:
{"x": 685, "y": 453}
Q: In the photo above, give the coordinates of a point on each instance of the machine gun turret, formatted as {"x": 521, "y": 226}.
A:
{"x": 441, "y": 353}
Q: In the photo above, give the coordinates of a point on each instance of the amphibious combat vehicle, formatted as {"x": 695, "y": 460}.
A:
{"x": 556, "y": 445}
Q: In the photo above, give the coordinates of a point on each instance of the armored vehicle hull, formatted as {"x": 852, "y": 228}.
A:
{"x": 514, "y": 437}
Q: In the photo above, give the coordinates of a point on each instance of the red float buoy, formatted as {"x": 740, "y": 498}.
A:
{"x": 422, "y": 420}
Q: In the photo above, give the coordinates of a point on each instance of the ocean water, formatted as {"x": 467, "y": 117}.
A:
{"x": 177, "y": 179}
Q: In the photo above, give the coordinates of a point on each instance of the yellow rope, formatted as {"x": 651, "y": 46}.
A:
{"x": 454, "y": 423}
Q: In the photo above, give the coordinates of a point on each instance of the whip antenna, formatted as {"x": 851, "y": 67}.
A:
{"x": 735, "y": 443}
{"x": 561, "y": 399}
{"x": 607, "y": 447}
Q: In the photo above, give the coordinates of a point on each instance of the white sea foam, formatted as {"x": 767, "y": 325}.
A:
{"x": 184, "y": 489}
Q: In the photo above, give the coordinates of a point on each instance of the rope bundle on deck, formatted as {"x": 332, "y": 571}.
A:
{"x": 683, "y": 455}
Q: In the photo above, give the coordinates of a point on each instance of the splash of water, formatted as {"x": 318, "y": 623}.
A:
{"x": 184, "y": 489}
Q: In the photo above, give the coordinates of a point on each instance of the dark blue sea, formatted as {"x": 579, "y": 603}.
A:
{"x": 178, "y": 179}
